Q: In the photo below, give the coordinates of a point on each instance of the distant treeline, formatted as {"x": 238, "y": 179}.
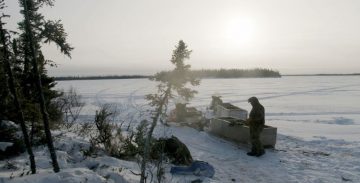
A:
{"x": 204, "y": 73}
{"x": 99, "y": 77}
{"x": 235, "y": 73}
{"x": 352, "y": 74}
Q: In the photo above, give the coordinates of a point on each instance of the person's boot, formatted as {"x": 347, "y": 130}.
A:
{"x": 261, "y": 153}
{"x": 252, "y": 153}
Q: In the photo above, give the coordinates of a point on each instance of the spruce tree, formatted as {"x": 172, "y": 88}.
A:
{"x": 175, "y": 80}
{"x": 43, "y": 31}
{"x": 11, "y": 83}
{"x": 36, "y": 30}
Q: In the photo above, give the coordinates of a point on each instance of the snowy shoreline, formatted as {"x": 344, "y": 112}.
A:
{"x": 293, "y": 160}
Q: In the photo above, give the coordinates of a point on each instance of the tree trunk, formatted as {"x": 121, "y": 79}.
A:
{"x": 159, "y": 111}
{"x": 38, "y": 84}
{"x": 16, "y": 100}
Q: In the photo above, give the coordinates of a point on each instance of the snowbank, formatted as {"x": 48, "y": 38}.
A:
{"x": 71, "y": 175}
{"x": 293, "y": 160}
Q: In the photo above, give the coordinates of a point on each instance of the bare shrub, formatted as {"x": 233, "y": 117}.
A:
{"x": 106, "y": 135}
{"x": 134, "y": 143}
{"x": 141, "y": 131}
{"x": 103, "y": 128}
{"x": 85, "y": 128}
{"x": 71, "y": 105}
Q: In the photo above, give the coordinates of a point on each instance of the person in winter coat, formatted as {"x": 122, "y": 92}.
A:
{"x": 256, "y": 123}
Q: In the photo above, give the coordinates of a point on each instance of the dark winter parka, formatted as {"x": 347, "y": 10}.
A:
{"x": 257, "y": 113}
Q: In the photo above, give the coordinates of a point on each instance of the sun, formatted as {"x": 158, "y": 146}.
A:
{"x": 239, "y": 31}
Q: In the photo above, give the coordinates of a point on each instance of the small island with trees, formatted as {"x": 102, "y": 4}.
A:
{"x": 236, "y": 73}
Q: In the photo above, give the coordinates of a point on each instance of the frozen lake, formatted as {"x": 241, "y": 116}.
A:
{"x": 318, "y": 121}
{"x": 302, "y": 106}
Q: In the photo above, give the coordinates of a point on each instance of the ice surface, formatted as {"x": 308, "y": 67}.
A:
{"x": 299, "y": 106}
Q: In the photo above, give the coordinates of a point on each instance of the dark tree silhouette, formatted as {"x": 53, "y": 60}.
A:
{"x": 36, "y": 29}
{"x": 11, "y": 84}
{"x": 38, "y": 84}
{"x": 43, "y": 31}
{"x": 174, "y": 80}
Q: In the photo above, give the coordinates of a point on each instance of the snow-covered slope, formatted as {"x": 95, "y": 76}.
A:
{"x": 293, "y": 160}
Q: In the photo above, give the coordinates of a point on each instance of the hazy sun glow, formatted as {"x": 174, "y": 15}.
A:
{"x": 134, "y": 37}
{"x": 240, "y": 32}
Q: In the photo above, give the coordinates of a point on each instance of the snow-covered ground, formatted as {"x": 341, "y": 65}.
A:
{"x": 318, "y": 121}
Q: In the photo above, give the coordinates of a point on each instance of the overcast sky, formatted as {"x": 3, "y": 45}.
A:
{"x": 138, "y": 36}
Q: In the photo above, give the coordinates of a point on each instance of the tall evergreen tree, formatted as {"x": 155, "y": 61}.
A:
{"x": 11, "y": 84}
{"x": 174, "y": 80}
{"x": 36, "y": 30}
{"x": 43, "y": 31}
